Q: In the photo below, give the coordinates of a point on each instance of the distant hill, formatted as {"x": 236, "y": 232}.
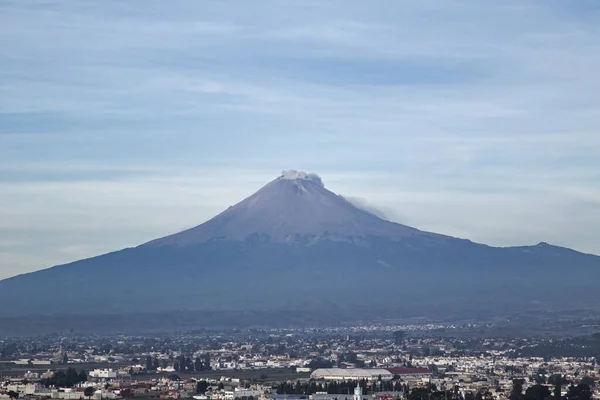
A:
{"x": 294, "y": 245}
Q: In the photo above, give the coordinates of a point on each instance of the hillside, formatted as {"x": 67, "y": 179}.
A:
{"x": 294, "y": 245}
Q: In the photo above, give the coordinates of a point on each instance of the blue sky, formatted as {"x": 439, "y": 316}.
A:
{"x": 124, "y": 121}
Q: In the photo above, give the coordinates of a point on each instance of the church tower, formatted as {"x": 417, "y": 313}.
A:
{"x": 358, "y": 395}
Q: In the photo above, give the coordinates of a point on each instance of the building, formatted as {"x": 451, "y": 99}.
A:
{"x": 351, "y": 374}
{"x": 410, "y": 373}
{"x": 103, "y": 374}
{"x": 239, "y": 393}
{"x": 358, "y": 395}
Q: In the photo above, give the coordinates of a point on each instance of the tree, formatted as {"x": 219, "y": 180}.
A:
{"x": 517, "y": 390}
{"x": 557, "y": 390}
{"x": 176, "y": 366}
{"x": 579, "y": 392}
{"x": 149, "y": 363}
{"x": 419, "y": 394}
{"x": 155, "y": 364}
{"x": 65, "y": 359}
{"x": 198, "y": 365}
{"x": 89, "y": 392}
{"x": 65, "y": 379}
{"x": 174, "y": 377}
{"x": 539, "y": 379}
{"x": 319, "y": 363}
{"x": 221, "y": 386}
{"x": 537, "y": 392}
{"x": 165, "y": 363}
{"x": 201, "y": 387}
{"x": 399, "y": 337}
{"x": 588, "y": 380}
{"x": 13, "y": 395}
{"x": 557, "y": 378}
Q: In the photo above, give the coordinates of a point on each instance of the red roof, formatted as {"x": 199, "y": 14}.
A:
{"x": 407, "y": 371}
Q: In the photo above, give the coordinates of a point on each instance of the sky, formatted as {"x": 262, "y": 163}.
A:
{"x": 124, "y": 121}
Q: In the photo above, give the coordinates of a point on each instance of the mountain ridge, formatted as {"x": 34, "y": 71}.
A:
{"x": 295, "y": 245}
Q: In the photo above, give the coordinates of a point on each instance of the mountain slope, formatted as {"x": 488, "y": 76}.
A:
{"x": 291, "y": 206}
{"x": 294, "y": 245}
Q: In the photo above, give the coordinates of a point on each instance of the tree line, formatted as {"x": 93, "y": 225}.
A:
{"x": 344, "y": 387}
{"x": 581, "y": 391}
{"x": 68, "y": 378}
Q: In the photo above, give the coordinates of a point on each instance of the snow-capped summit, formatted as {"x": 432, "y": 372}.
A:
{"x": 296, "y": 204}
{"x": 292, "y": 174}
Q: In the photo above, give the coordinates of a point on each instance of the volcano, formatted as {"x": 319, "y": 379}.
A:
{"x": 291, "y": 207}
{"x": 294, "y": 245}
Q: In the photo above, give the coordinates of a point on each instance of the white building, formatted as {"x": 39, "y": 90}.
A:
{"x": 103, "y": 374}
{"x": 238, "y": 393}
{"x": 358, "y": 395}
{"x": 351, "y": 374}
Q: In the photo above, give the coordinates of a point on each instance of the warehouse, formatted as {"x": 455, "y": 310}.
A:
{"x": 351, "y": 374}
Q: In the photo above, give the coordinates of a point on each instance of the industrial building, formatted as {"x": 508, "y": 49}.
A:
{"x": 351, "y": 374}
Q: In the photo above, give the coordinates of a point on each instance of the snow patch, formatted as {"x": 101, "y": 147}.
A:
{"x": 292, "y": 174}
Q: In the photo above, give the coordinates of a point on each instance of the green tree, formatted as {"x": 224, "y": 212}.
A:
{"x": 13, "y": 395}
{"x": 89, "y": 392}
{"x": 426, "y": 351}
{"x": 419, "y": 394}
{"x": 399, "y": 337}
{"x": 588, "y": 380}
{"x": 539, "y": 379}
{"x": 579, "y": 392}
{"x": 149, "y": 363}
{"x": 517, "y": 390}
{"x": 537, "y": 392}
{"x": 201, "y": 387}
{"x": 557, "y": 378}
{"x": 557, "y": 390}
